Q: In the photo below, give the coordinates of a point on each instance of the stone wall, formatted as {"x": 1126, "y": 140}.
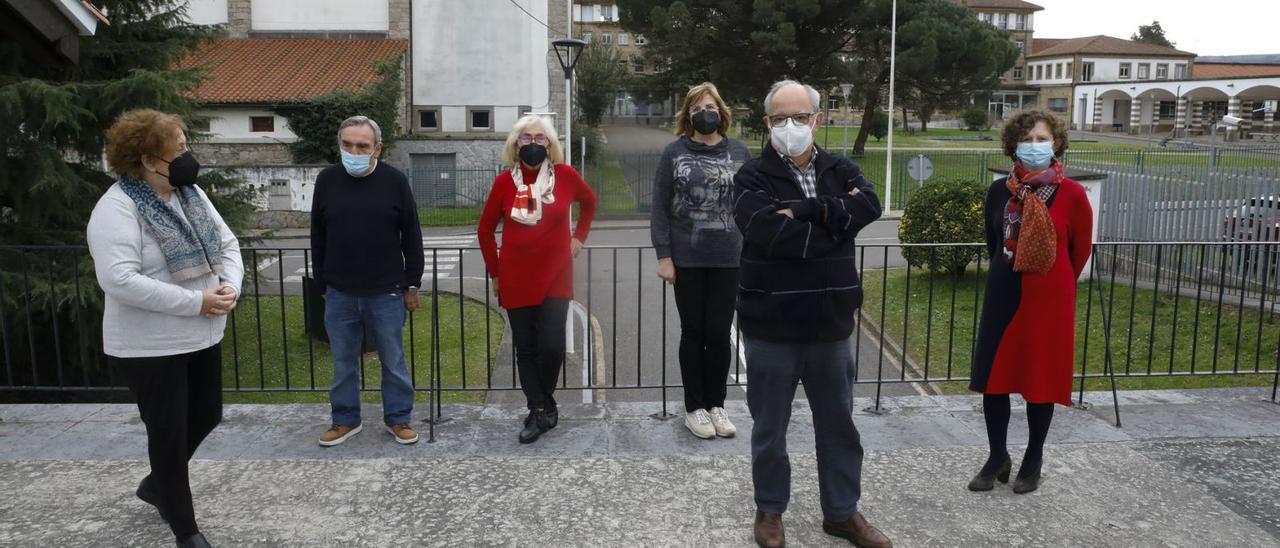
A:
{"x": 557, "y": 18}
{"x": 471, "y": 153}
{"x": 239, "y": 18}
{"x": 241, "y": 154}
{"x": 400, "y": 16}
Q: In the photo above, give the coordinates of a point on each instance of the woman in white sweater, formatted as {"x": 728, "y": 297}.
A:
{"x": 170, "y": 269}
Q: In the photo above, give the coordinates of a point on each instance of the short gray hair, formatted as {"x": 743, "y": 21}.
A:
{"x": 814, "y": 98}
{"x": 358, "y": 120}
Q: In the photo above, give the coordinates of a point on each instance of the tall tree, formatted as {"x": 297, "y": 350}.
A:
{"x": 741, "y": 46}
{"x": 1152, "y": 34}
{"x": 600, "y": 74}
{"x": 946, "y": 56}
{"x": 53, "y": 118}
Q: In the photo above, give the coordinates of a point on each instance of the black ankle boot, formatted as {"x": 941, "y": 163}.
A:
{"x": 533, "y": 427}
{"x": 552, "y": 417}
{"x": 1027, "y": 481}
{"x": 982, "y": 482}
{"x": 194, "y": 541}
{"x": 149, "y": 496}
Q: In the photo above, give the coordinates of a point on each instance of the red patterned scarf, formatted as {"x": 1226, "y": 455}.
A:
{"x": 1029, "y": 236}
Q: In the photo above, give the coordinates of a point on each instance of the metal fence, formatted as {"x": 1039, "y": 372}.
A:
{"x": 1135, "y": 324}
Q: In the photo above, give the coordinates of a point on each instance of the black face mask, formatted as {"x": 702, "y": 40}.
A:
{"x": 533, "y": 154}
{"x": 706, "y": 122}
{"x": 183, "y": 170}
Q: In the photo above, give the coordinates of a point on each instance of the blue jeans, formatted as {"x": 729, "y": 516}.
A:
{"x": 346, "y": 318}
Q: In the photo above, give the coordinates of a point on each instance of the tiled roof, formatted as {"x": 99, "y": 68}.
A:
{"x": 255, "y": 71}
{"x": 1107, "y": 45}
{"x": 1041, "y": 44}
{"x": 1213, "y": 71}
{"x": 1003, "y": 5}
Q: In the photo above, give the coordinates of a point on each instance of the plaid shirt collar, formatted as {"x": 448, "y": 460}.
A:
{"x": 807, "y": 178}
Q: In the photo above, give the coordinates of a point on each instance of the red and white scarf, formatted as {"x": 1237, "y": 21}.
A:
{"x": 527, "y": 206}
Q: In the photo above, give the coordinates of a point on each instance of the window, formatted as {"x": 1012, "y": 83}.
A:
{"x": 1069, "y": 73}
{"x": 624, "y": 39}
{"x": 1022, "y": 46}
{"x": 1168, "y": 110}
{"x": 1039, "y": 72}
{"x": 984, "y": 17}
{"x": 1086, "y": 72}
{"x": 1179, "y": 71}
{"x": 640, "y": 41}
{"x": 429, "y": 119}
{"x": 1144, "y": 71}
{"x": 833, "y": 103}
{"x": 1162, "y": 71}
{"x": 1020, "y": 21}
{"x": 1057, "y": 71}
{"x": 606, "y": 38}
{"x": 1058, "y": 104}
{"x": 637, "y": 65}
{"x": 479, "y": 119}
{"x": 1125, "y": 69}
{"x": 1017, "y": 73}
{"x": 262, "y": 124}
{"x": 1002, "y": 21}
{"x": 606, "y": 12}
{"x": 586, "y": 37}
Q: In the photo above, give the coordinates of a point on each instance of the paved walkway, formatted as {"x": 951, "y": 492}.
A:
{"x": 1194, "y": 468}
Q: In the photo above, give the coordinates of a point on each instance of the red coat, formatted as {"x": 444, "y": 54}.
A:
{"x": 1026, "y": 341}
{"x": 535, "y": 261}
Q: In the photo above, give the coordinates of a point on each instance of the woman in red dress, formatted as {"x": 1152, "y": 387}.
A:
{"x": 533, "y": 271}
{"x": 1039, "y": 235}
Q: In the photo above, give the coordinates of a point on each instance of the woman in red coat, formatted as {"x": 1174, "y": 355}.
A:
{"x": 533, "y": 271}
{"x": 1039, "y": 235}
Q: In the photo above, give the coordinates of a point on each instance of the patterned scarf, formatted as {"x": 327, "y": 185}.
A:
{"x": 527, "y": 207}
{"x": 192, "y": 248}
{"x": 1029, "y": 237}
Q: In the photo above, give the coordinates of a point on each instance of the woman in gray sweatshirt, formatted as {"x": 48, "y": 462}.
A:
{"x": 170, "y": 272}
{"x": 697, "y": 243}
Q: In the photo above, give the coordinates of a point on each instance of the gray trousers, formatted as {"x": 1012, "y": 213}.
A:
{"x": 773, "y": 369}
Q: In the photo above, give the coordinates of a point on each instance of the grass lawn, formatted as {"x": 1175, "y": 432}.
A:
{"x": 1150, "y": 342}
{"x": 449, "y": 216}
{"x": 262, "y": 360}
{"x": 607, "y": 180}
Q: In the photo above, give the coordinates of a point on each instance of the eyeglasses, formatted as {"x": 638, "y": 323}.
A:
{"x": 801, "y": 119}
{"x": 708, "y": 108}
{"x": 539, "y": 138}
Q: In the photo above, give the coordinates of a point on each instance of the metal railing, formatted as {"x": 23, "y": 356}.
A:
{"x": 1146, "y": 311}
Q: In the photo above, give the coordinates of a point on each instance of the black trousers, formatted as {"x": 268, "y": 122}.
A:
{"x": 538, "y": 334}
{"x": 180, "y": 400}
{"x": 705, "y": 299}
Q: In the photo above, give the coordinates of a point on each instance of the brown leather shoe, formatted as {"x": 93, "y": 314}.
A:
{"x": 858, "y": 531}
{"x": 404, "y": 434}
{"x": 335, "y": 435}
{"x": 769, "y": 530}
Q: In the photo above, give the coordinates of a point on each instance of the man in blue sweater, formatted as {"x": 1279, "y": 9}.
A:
{"x": 366, "y": 247}
{"x": 799, "y": 209}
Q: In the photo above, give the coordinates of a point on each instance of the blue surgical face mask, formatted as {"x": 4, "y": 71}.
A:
{"x": 1035, "y": 155}
{"x": 357, "y": 165}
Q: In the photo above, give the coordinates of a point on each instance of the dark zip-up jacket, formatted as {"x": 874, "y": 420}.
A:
{"x": 799, "y": 278}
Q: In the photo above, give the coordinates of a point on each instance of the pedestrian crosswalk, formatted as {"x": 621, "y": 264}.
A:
{"x": 443, "y": 255}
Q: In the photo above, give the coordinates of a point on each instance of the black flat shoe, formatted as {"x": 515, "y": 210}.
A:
{"x": 986, "y": 483}
{"x": 194, "y": 541}
{"x": 1028, "y": 484}
{"x": 534, "y": 427}
{"x": 551, "y": 418}
{"x": 149, "y": 496}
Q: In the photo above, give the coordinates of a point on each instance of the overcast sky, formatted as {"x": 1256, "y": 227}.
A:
{"x": 1215, "y": 27}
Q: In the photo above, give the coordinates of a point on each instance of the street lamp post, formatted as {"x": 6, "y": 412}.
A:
{"x": 845, "y": 89}
{"x": 567, "y": 52}
{"x": 888, "y": 155}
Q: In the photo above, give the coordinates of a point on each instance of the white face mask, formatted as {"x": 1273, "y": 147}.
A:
{"x": 791, "y": 139}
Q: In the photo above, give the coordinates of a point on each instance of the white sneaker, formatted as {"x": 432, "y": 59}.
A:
{"x": 720, "y": 420}
{"x": 699, "y": 422}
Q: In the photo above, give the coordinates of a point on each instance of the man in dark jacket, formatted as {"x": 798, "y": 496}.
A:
{"x": 799, "y": 209}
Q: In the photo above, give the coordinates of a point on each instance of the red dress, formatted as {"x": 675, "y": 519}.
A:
{"x": 535, "y": 261}
{"x": 1026, "y": 341}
